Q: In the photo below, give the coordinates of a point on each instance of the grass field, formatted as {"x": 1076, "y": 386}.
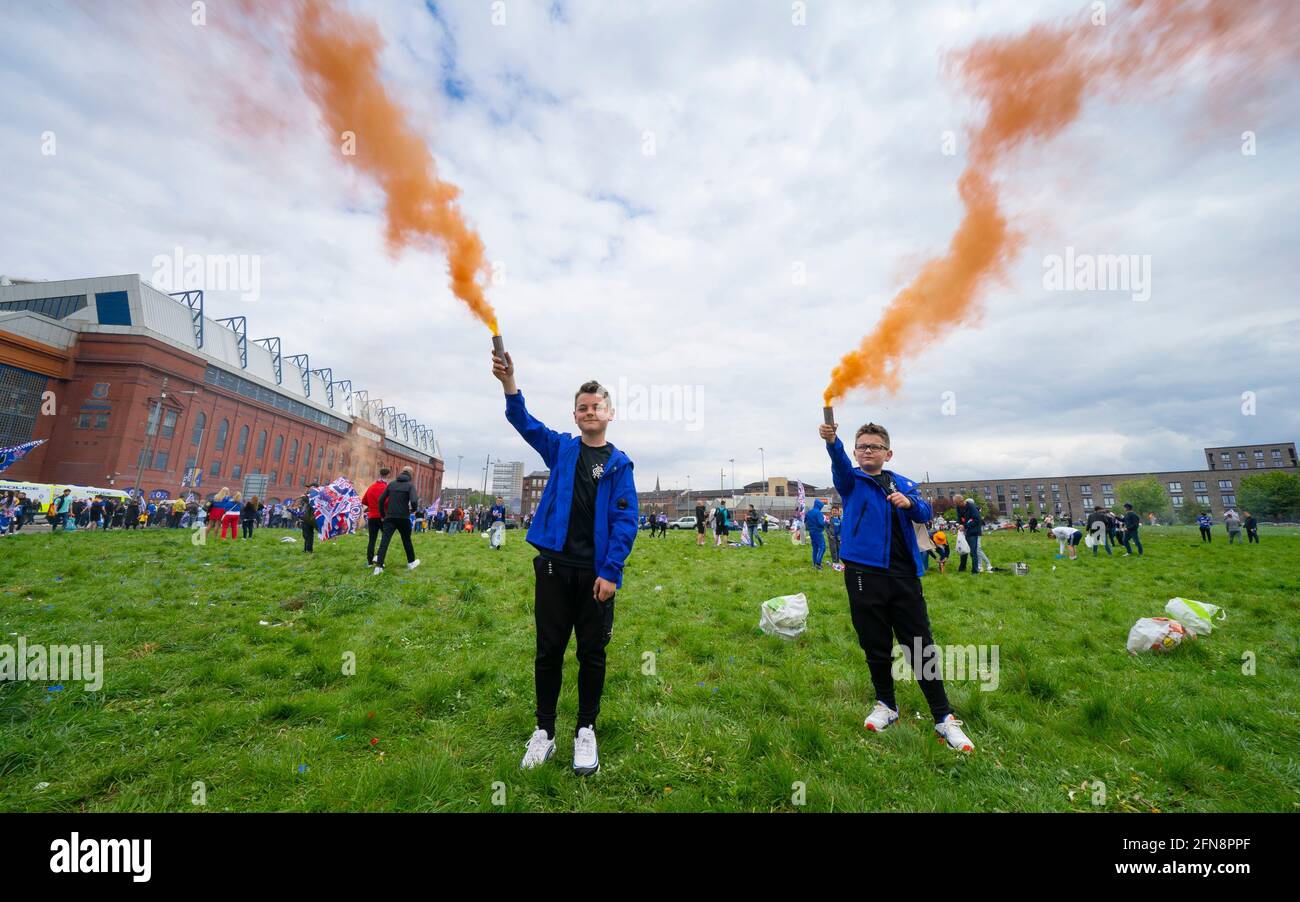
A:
{"x": 196, "y": 689}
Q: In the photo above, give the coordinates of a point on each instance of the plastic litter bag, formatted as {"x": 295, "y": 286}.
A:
{"x": 1158, "y": 634}
{"x": 785, "y": 616}
{"x": 1196, "y": 616}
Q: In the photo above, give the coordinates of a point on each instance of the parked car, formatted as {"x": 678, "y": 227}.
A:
{"x": 682, "y": 523}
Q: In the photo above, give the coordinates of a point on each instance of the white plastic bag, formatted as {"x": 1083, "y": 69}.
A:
{"x": 963, "y": 547}
{"x": 1158, "y": 634}
{"x": 785, "y": 616}
{"x": 1196, "y": 616}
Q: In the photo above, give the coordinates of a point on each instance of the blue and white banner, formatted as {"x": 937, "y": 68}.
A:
{"x": 11, "y": 456}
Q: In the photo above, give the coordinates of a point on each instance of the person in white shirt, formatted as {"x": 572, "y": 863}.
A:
{"x": 1069, "y": 537}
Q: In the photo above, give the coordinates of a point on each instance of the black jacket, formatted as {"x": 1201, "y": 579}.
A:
{"x": 399, "y": 499}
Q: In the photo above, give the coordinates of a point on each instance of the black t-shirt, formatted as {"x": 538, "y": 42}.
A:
{"x": 580, "y": 543}
{"x": 901, "y": 562}
{"x": 700, "y": 515}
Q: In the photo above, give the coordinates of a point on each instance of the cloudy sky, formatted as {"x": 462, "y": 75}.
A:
{"x": 651, "y": 178}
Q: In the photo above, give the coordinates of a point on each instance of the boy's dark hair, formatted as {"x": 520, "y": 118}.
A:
{"x": 591, "y": 387}
{"x": 384, "y": 471}
{"x": 872, "y": 429}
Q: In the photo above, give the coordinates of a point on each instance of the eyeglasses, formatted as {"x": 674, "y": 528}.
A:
{"x": 871, "y": 447}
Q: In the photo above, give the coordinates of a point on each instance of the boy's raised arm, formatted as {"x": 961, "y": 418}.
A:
{"x": 544, "y": 441}
{"x": 841, "y": 466}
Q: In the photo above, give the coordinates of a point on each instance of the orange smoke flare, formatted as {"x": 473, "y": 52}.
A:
{"x": 337, "y": 55}
{"x": 1033, "y": 86}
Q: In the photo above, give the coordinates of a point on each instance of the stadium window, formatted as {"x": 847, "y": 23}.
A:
{"x": 101, "y": 421}
{"x": 293, "y": 453}
{"x": 279, "y": 446}
{"x": 113, "y": 308}
{"x": 274, "y": 478}
{"x": 222, "y": 431}
{"x": 236, "y": 471}
{"x": 243, "y": 440}
{"x": 169, "y": 424}
{"x": 306, "y": 457}
{"x": 261, "y": 444}
{"x": 197, "y": 435}
{"x": 160, "y": 460}
{"x": 215, "y": 469}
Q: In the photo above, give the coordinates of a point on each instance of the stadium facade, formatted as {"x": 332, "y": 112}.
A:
{"x": 133, "y": 387}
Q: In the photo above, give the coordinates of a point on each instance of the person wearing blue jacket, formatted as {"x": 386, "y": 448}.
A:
{"x": 816, "y": 524}
{"x": 583, "y": 530}
{"x": 882, "y": 571}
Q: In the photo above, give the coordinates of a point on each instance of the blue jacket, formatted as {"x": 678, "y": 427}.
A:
{"x": 616, "y": 504}
{"x": 970, "y": 517}
{"x": 814, "y": 520}
{"x": 864, "y": 529}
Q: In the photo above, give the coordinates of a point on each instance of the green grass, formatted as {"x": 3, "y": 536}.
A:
{"x": 196, "y": 689}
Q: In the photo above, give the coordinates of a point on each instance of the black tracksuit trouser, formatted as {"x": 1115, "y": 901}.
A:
{"x": 403, "y": 527}
{"x": 564, "y": 605}
{"x": 884, "y": 606}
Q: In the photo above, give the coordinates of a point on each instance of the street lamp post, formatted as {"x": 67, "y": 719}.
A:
{"x": 459, "y": 457}
{"x": 733, "y": 475}
{"x": 762, "y": 462}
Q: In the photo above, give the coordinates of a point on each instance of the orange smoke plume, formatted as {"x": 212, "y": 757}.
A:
{"x": 1032, "y": 87}
{"x": 337, "y": 55}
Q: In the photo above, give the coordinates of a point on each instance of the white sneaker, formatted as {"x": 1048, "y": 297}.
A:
{"x": 415, "y": 563}
{"x": 880, "y": 717}
{"x": 378, "y": 571}
{"x": 949, "y": 730}
{"x": 540, "y": 748}
{"x": 586, "y": 761}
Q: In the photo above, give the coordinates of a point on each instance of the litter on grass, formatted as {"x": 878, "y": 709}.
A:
{"x": 785, "y": 616}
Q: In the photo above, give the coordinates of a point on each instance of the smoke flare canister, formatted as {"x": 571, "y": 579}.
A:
{"x": 498, "y": 347}
{"x": 828, "y": 415}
